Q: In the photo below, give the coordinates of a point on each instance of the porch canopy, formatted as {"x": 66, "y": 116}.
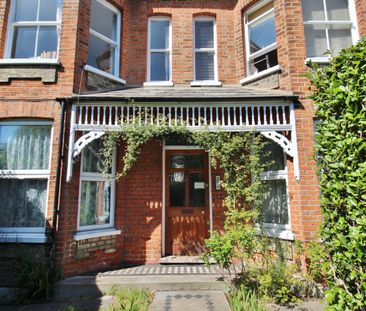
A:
{"x": 232, "y": 109}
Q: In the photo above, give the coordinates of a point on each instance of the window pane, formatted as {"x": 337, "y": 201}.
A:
{"x": 265, "y": 8}
{"x": 204, "y": 34}
{"x": 92, "y": 162}
{"x": 47, "y": 42}
{"x": 95, "y": 203}
{"x": 272, "y": 152}
{"x": 275, "y": 210}
{"x": 22, "y": 203}
{"x": 205, "y": 67}
{"x": 262, "y": 34}
{"x": 177, "y": 191}
{"x": 103, "y": 20}
{"x": 24, "y": 147}
{"x": 101, "y": 54}
{"x": 316, "y": 41}
{"x": 24, "y": 41}
{"x": 263, "y": 62}
{"x": 339, "y": 38}
{"x": 313, "y": 10}
{"x": 197, "y": 197}
{"x": 26, "y": 10}
{"x": 337, "y": 10}
{"x": 48, "y": 10}
{"x": 159, "y": 66}
{"x": 187, "y": 161}
{"x": 159, "y": 35}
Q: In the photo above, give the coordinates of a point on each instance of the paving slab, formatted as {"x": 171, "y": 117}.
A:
{"x": 314, "y": 305}
{"x": 190, "y": 300}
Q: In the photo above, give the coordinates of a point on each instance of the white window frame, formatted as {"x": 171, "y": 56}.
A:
{"x": 10, "y": 35}
{"x": 281, "y": 231}
{"x": 168, "y": 82}
{"x": 267, "y": 49}
{"x": 215, "y": 81}
{"x": 28, "y": 234}
{"x": 116, "y": 44}
{"x": 352, "y": 23}
{"x": 97, "y": 177}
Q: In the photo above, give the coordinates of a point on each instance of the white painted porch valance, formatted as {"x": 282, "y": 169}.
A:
{"x": 270, "y": 119}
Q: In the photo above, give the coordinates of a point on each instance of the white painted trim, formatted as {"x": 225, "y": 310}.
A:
{"x": 206, "y": 83}
{"x": 261, "y": 74}
{"x": 274, "y": 231}
{"x": 159, "y": 83}
{"x": 29, "y": 61}
{"x": 22, "y": 237}
{"x": 149, "y": 51}
{"x": 215, "y": 81}
{"x": 178, "y": 147}
{"x": 210, "y": 193}
{"x": 84, "y": 235}
{"x": 319, "y": 60}
{"x": 103, "y": 74}
{"x": 163, "y": 207}
{"x": 117, "y": 43}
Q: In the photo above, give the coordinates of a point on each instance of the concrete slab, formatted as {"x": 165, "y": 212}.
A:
{"x": 314, "y": 305}
{"x": 190, "y": 300}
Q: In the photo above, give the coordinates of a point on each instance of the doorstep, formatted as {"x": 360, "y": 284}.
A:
{"x": 183, "y": 260}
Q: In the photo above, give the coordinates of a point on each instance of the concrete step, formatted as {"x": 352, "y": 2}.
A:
{"x": 82, "y": 287}
{"x": 183, "y": 260}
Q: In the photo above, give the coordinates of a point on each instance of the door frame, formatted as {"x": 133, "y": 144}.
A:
{"x": 163, "y": 216}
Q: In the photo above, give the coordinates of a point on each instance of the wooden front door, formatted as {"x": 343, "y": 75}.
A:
{"x": 187, "y": 208}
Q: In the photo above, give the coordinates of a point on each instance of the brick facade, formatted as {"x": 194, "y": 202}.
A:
{"x": 138, "y": 208}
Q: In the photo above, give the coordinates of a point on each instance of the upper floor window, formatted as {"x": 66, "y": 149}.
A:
{"x": 24, "y": 176}
{"x": 104, "y": 38}
{"x": 159, "y": 53}
{"x": 205, "y": 56}
{"x": 260, "y": 34}
{"x": 330, "y": 25}
{"x": 34, "y": 29}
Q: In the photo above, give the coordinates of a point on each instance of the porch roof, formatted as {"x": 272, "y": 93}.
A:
{"x": 141, "y": 93}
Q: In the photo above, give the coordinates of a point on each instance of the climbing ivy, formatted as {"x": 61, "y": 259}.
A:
{"x": 339, "y": 91}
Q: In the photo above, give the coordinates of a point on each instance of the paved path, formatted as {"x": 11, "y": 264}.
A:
{"x": 190, "y": 300}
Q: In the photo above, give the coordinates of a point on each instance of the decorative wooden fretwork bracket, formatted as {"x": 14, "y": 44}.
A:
{"x": 281, "y": 140}
{"x": 84, "y": 141}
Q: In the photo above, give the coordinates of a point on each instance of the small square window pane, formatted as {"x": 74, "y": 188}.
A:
{"x": 92, "y": 160}
{"x": 159, "y": 35}
{"x": 275, "y": 209}
{"x": 47, "y": 42}
{"x": 205, "y": 66}
{"x": 339, "y": 38}
{"x": 103, "y": 20}
{"x": 273, "y": 153}
{"x": 95, "y": 203}
{"x": 337, "y": 10}
{"x": 262, "y": 34}
{"x": 24, "y": 41}
{"x": 101, "y": 54}
{"x": 159, "y": 66}
{"x": 22, "y": 202}
{"x": 313, "y": 10}
{"x": 204, "y": 34}
{"x": 26, "y": 10}
{"x": 24, "y": 147}
{"x": 316, "y": 40}
{"x": 48, "y": 10}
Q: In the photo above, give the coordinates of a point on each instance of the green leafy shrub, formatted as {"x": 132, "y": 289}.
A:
{"x": 339, "y": 92}
{"x": 317, "y": 265}
{"x": 36, "y": 277}
{"x": 131, "y": 299}
{"x": 243, "y": 300}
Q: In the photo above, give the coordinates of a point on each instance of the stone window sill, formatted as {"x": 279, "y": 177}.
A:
{"x": 278, "y": 231}
{"x": 90, "y": 234}
{"x": 158, "y": 83}
{"x": 206, "y": 83}
{"x": 17, "y": 237}
{"x": 260, "y": 75}
{"x": 44, "y": 69}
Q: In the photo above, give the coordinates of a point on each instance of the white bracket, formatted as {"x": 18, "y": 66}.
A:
{"x": 281, "y": 140}
{"x": 84, "y": 140}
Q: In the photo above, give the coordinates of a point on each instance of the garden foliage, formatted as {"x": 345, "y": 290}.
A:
{"x": 339, "y": 92}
